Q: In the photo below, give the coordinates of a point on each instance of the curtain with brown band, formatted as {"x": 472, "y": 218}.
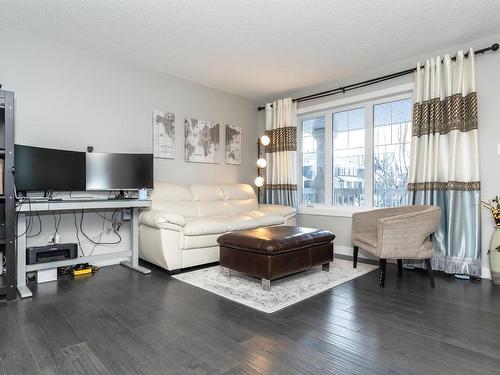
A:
{"x": 444, "y": 168}
{"x": 281, "y": 173}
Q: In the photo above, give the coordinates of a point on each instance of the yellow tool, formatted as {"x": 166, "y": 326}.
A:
{"x": 82, "y": 271}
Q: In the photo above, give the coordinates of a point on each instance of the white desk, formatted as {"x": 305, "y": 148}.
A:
{"x": 70, "y": 205}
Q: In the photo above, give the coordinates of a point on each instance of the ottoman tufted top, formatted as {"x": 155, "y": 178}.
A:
{"x": 275, "y": 240}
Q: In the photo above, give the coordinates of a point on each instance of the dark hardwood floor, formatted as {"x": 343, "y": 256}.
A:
{"x": 122, "y": 322}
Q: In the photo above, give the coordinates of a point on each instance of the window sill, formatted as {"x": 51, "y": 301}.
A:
{"x": 321, "y": 210}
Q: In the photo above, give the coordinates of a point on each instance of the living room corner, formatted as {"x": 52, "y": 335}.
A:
{"x": 249, "y": 187}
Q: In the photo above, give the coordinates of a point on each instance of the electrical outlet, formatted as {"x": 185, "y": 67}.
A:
{"x": 126, "y": 214}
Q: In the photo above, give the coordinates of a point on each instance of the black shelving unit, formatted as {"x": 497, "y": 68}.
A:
{"x": 7, "y": 196}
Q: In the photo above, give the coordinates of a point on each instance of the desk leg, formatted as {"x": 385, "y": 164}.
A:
{"x": 134, "y": 236}
{"x": 23, "y": 290}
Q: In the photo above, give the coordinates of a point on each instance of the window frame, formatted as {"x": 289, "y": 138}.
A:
{"x": 327, "y": 109}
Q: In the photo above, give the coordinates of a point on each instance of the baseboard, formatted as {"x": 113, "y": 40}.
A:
{"x": 485, "y": 273}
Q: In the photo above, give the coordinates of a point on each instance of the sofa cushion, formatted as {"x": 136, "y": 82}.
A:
{"x": 197, "y": 226}
{"x": 211, "y": 208}
{"x": 176, "y": 199}
{"x": 209, "y": 200}
{"x": 240, "y": 206}
{"x": 237, "y": 222}
{"x": 278, "y": 209}
{"x": 207, "y": 192}
{"x": 238, "y": 191}
{"x": 183, "y": 208}
{"x": 267, "y": 219}
{"x": 163, "y": 191}
{"x": 240, "y": 198}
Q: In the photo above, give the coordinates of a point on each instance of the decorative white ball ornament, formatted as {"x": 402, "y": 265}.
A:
{"x": 261, "y": 163}
{"x": 259, "y": 181}
{"x": 265, "y": 140}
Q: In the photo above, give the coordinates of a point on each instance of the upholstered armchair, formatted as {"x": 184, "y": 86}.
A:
{"x": 396, "y": 233}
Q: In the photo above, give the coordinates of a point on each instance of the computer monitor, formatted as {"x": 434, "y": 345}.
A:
{"x": 46, "y": 169}
{"x": 109, "y": 171}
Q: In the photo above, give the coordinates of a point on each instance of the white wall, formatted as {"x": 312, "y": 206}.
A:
{"x": 69, "y": 98}
{"x": 488, "y": 89}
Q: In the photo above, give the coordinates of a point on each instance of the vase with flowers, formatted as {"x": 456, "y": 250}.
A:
{"x": 493, "y": 205}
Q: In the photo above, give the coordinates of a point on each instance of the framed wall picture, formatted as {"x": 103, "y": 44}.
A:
{"x": 202, "y": 141}
{"x": 233, "y": 145}
{"x": 163, "y": 135}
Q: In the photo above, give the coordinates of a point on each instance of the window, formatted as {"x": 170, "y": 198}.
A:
{"x": 357, "y": 156}
{"x": 349, "y": 158}
{"x": 391, "y": 152}
{"x": 313, "y": 160}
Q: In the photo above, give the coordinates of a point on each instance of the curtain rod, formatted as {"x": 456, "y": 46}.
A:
{"x": 344, "y": 89}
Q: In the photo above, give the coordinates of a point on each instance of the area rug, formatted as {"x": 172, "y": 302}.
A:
{"x": 284, "y": 292}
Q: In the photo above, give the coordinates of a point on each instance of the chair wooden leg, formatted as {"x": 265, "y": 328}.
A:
{"x": 400, "y": 267}
{"x": 355, "y": 257}
{"x": 382, "y": 268}
{"x": 430, "y": 272}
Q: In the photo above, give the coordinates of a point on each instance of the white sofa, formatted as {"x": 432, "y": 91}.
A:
{"x": 182, "y": 226}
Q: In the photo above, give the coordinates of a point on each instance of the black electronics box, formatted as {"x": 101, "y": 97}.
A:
{"x": 51, "y": 253}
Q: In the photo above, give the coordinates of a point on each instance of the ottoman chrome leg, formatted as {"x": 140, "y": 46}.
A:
{"x": 224, "y": 271}
{"x": 266, "y": 285}
{"x": 326, "y": 267}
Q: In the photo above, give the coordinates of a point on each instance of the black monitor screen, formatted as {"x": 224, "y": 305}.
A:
{"x": 44, "y": 169}
{"x": 119, "y": 171}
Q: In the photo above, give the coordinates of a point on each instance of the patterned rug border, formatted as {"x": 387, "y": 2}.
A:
{"x": 194, "y": 278}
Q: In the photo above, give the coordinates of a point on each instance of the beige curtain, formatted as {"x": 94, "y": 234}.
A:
{"x": 444, "y": 167}
{"x": 281, "y": 154}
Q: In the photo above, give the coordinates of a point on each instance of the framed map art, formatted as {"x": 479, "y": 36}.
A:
{"x": 233, "y": 145}
{"x": 163, "y": 135}
{"x": 201, "y": 141}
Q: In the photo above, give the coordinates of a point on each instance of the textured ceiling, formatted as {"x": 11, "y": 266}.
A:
{"x": 257, "y": 49}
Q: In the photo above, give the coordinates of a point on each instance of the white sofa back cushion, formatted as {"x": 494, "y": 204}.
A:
{"x": 240, "y": 198}
{"x": 177, "y": 199}
{"x": 207, "y": 192}
{"x": 204, "y": 200}
{"x": 209, "y": 200}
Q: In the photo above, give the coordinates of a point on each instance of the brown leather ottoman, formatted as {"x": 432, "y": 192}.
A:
{"x": 274, "y": 252}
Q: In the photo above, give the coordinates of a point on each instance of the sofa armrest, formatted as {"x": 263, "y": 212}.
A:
{"x": 161, "y": 219}
{"x": 402, "y": 236}
{"x": 284, "y": 211}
